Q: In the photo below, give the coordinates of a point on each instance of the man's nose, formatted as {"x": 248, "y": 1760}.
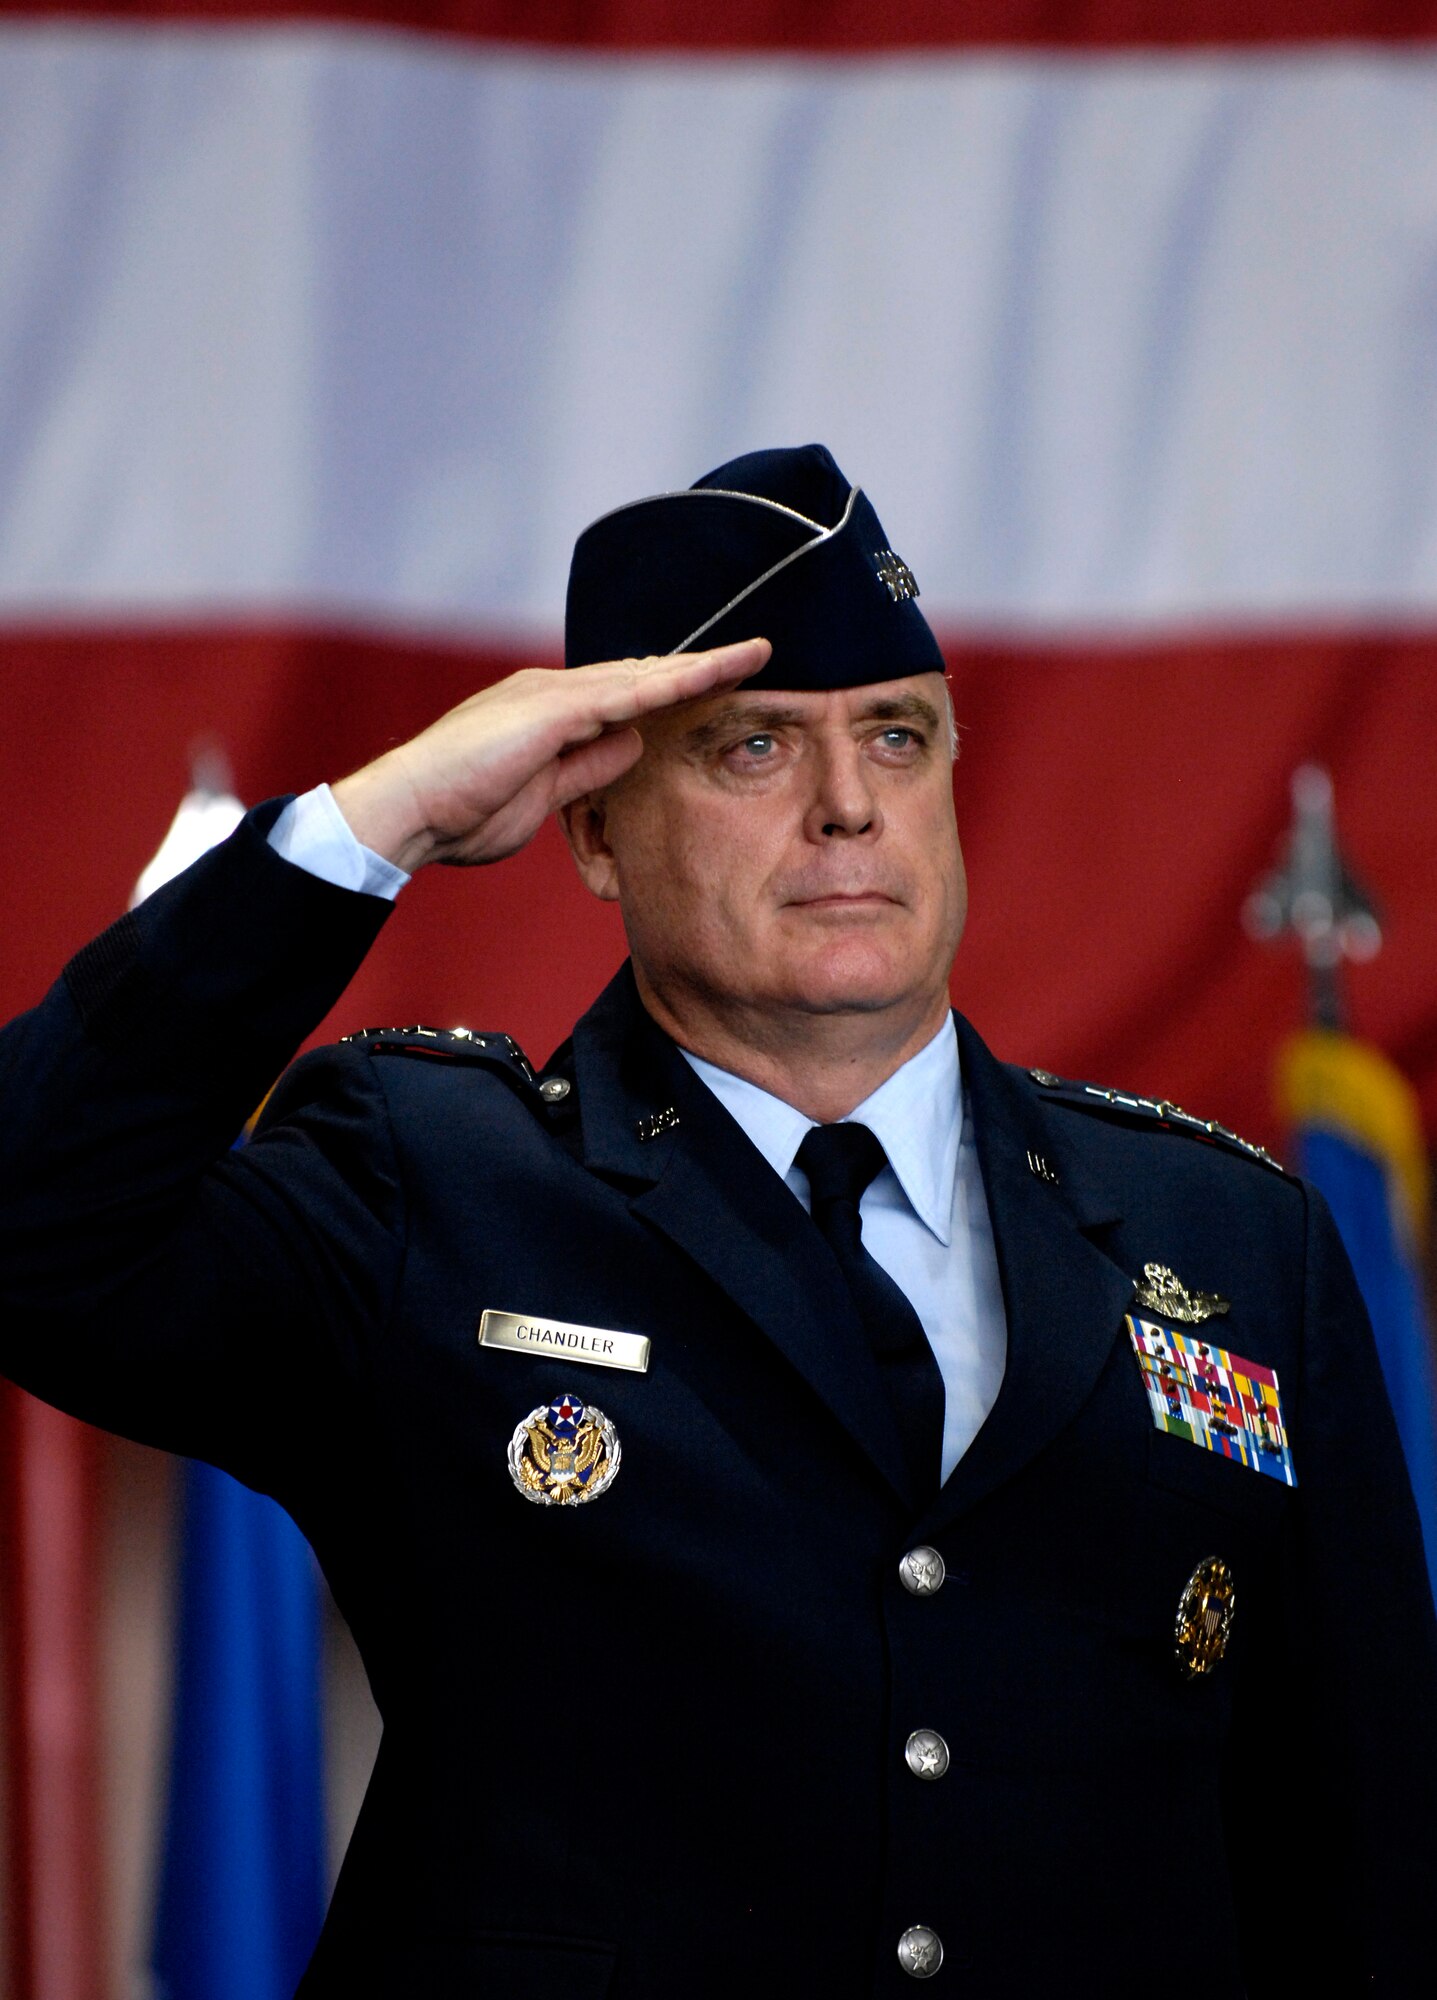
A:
{"x": 843, "y": 802}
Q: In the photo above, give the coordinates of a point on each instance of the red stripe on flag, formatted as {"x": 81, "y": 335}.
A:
{"x": 1115, "y": 803}
{"x": 818, "y": 25}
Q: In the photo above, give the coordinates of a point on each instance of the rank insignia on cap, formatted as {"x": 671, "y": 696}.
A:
{"x": 564, "y": 1453}
{"x": 1204, "y": 1618}
{"x": 896, "y": 577}
{"x": 1213, "y": 1398}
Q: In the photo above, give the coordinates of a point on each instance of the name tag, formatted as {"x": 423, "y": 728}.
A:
{"x": 602, "y": 1346}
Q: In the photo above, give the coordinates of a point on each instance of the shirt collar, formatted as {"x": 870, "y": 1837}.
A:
{"x": 916, "y": 1116}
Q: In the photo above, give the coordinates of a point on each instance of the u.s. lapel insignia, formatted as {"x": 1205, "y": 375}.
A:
{"x": 1163, "y": 1291}
{"x": 1204, "y": 1618}
{"x": 1213, "y": 1398}
{"x": 564, "y": 1453}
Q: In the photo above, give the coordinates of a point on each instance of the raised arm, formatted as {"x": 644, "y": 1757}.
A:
{"x": 150, "y": 1279}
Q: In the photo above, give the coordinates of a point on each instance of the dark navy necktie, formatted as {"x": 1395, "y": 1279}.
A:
{"x": 840, "y": 1161}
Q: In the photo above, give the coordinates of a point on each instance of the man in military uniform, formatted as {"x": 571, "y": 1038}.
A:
{"x": 760, "y": 1454}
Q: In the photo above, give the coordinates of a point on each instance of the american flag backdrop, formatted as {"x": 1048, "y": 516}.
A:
{"x": 322, "y": 334}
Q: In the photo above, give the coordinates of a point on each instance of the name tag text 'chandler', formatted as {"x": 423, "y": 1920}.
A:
{"x": 601, "y": 1346}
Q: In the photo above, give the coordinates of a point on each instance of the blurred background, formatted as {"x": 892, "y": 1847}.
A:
{"x": 323, "y": 334}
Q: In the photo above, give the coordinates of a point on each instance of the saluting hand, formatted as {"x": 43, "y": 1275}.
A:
{"x": 480, "y": 782}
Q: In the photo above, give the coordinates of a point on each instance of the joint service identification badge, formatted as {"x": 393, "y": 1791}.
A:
{"x": 564, "y": 1453}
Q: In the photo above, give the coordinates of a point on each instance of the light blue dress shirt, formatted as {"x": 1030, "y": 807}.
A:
{"x": 925, "y": 1218}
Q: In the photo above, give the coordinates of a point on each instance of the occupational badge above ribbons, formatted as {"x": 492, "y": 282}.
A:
{"x": 1163, "y": 1291}
{"x": 564, "y": 1453}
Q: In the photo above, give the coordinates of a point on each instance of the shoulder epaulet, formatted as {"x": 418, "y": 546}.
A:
{"x": 462, "y": 1045}
{"x": 1150, "y": 1110}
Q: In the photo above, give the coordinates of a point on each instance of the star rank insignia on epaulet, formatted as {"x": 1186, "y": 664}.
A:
{"x": 464, "y": 1045}
{"x": 1152, "y": 1110}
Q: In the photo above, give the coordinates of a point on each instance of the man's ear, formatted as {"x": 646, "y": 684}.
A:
{"x": 586, "y": 831}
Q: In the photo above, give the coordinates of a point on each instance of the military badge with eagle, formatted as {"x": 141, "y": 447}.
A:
{"x": 564, "y": 1453}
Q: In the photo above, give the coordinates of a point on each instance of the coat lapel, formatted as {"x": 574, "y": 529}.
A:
{"x": 705, "y": 1186}
{"x": 1064, "y": 1297}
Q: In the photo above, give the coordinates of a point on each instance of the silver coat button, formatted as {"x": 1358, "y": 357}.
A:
{"x": 920, "y": 1952}
{"x": 922, "y": 1571}
{"x": 926, "y": 1754}
{"x": 554, "y": 1089}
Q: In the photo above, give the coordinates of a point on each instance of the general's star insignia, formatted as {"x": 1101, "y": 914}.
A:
{"x": 1163, "y": 1291}
{"x": 564, "y": 1453}
{"x": 895, "y": 576}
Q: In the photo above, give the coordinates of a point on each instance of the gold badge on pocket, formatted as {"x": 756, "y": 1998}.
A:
{"x": 1204, "y": 1619}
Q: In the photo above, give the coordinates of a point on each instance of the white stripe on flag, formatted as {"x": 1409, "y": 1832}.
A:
{"x": 335, "y": 322}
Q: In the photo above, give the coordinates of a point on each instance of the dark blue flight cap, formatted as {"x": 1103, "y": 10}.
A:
{"x": 775, "y": 544}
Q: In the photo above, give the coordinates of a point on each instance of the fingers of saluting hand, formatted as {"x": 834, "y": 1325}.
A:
{"x": 619, "y": 691}
{"x": 503, "y": 736}
{"x": 565, "y": 709}
{"x": 478, "y": 783}
{"x": 544, "y": 738}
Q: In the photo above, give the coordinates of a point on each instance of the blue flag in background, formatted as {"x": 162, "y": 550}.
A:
{"x": 244, "y": 1867}
{"x": 242, "y": 1889}
{"x": 1358, "y": 1135}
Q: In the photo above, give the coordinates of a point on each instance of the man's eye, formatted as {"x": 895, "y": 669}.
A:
{"x": 898, "y": 738}
{"x": 758, "y": 746}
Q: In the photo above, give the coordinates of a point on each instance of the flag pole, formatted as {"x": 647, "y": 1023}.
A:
{"x": 1355, "y": 1120}
{"x": 1313, "y": 896}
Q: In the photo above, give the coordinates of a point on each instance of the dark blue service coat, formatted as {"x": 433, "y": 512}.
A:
{"x": 654, "y": 1744}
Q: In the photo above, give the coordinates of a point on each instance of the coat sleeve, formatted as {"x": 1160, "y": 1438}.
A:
{"x": 152, "y": 1279}
{"x": 1333, "y": 1788}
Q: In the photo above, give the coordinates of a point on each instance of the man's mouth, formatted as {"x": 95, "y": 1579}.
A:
{"x": 843, "y": 899}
